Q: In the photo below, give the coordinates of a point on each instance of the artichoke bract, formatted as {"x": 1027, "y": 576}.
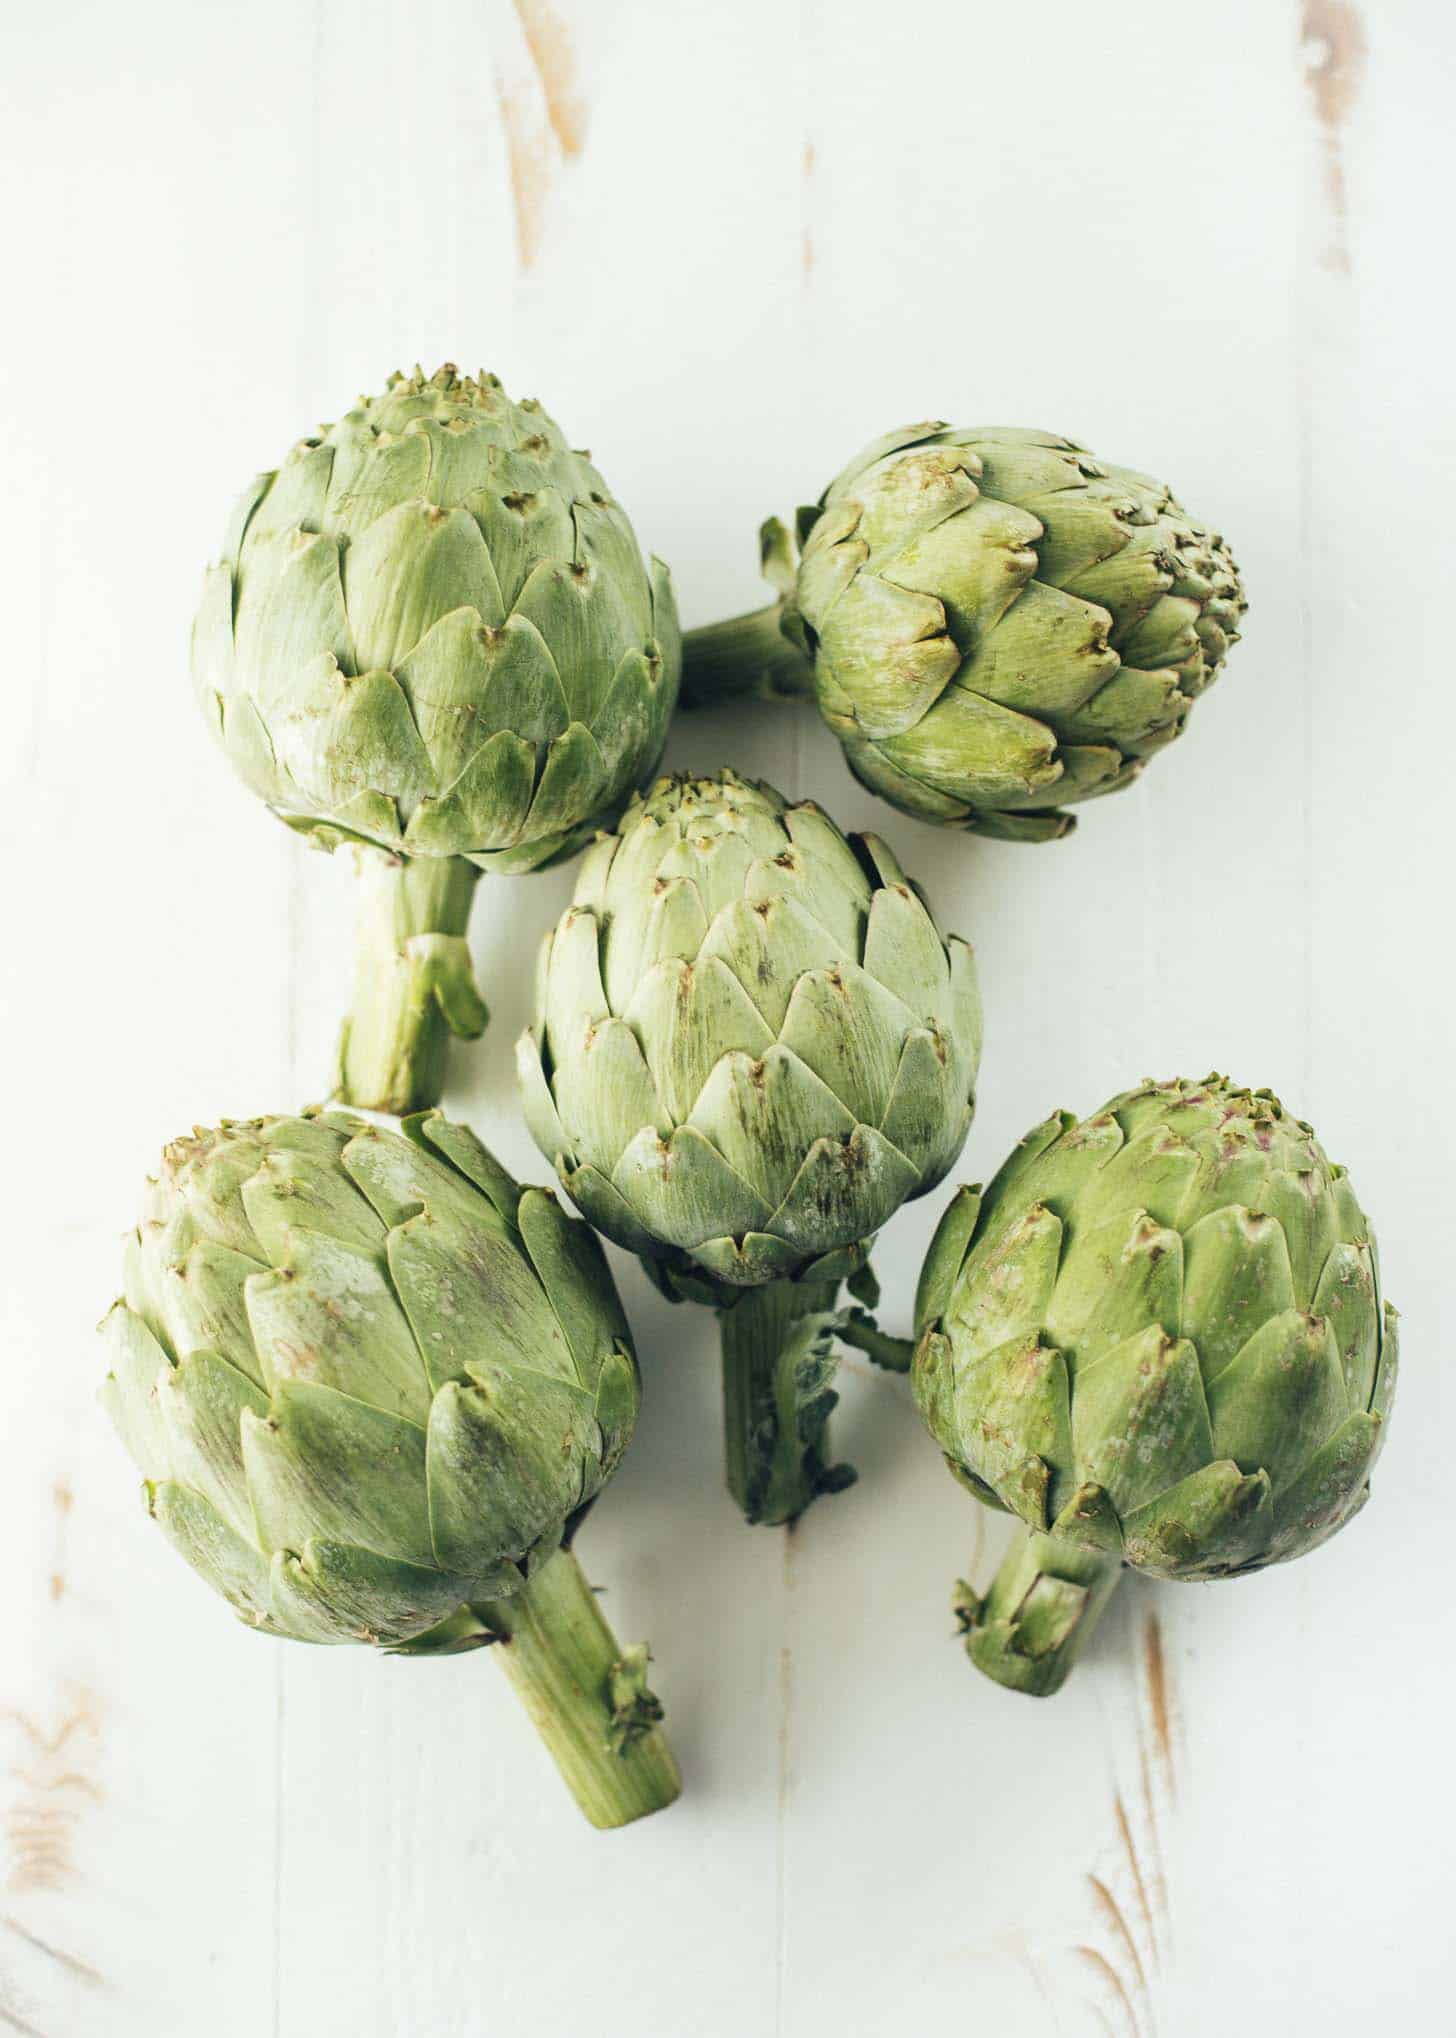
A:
{"x": 752, "y": 1045}
{"x": 995, "y": 624}
{"x": 432, "y": 636}
{"x": 371, "y": 1384}
{"x": 1159, "y": 1340}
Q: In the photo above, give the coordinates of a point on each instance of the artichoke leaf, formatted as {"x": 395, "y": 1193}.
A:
{"x": 849, "y": 1028}
{"x": 331, "y": 1592}
{"x": 947, "y": 1253}
{"x": 322, "y": 1464}
{"x": 474, "y": 1300}
{"x": 486, "y": 807}
{"x": 413, "y": 565}
{"x": 1281, "y": 1399}
{"x": 1116, "y": 1278}
{"x": 506, "y": 1460}
{"x": 769, "y": 945}
{"x": 139, "y": 1365}
{"x": 573, "y": 784}
{"x": 687, "y": 1016}
{"x": 1011, "y": 1422}
{"x": 605, "y": 1094}
{"x": 1140, "y": 1422}
{"x": 575, "y": 1280}
{"x": 230, "y": 1564}
{"x": 289, "y": 1191}
{"x": 1007, "y": 1280}
{"x": 683, "y": 1190}
{"x": 764, "y": 1115}
{"x": 974, "y": 750}
{"x": 845, "y": 1189}
{"x": 1214, "y": 1522}
{"x": 1236, "y": 1277}
{"x": 329, "y": 1314}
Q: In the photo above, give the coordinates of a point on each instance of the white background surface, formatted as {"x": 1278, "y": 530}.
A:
{"x": 1206, "y": 240}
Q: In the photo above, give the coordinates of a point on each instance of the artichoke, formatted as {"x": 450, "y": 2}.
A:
{"x": 432, "y": 636}
{"x": 752, "y": 1044}
{"x": 1159, "y": 1340}
{"x": 994, "y": 624}
{"x": 372, "y": 1384}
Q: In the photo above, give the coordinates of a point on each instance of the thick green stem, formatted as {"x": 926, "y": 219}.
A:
{"x": 1041, "y": 1610}
{"x": 413, "y": 984}
{"x": 746, "y": 658}
{"x": 778, "y": 1362}
{"x": 587, "y": 1696}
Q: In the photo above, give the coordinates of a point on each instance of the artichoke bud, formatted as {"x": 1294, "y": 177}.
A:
{"x": 432, "y": 630}
{"x": 752, "y": 1041}
{"x": 1159, "y": 1334}
{"x": 995, "y": 625}
{"x": 366, "y": 1377}
{"x": 432, "y": 636}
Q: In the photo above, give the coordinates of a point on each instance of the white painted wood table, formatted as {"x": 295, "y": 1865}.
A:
{"x": 727, "y": 244}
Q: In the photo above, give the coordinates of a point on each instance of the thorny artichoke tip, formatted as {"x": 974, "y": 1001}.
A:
{"x": 371, "y": 1384}
{"x": 432, "y": 636}
{"x": 994, "y": 623}
{"x": 1159, "y": 1340}
{"x": 752, "y": 1045}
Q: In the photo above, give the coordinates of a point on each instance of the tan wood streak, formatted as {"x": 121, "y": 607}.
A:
{"x": 82, "y": 1969}
{"x": 1159, "y": 1877}
{"x": 1333, "y": 38}
{"x": 63, "y": 1501}
{"x": 13, "y": 2021}
{"x": 543, "y": 120}
{"x": 40, "y": 1827}
{"x": 551, "y": 53}
{"x": 530, "y": 166}
{"x": 1159, "y": 1698}
{"x": 1111, "y": 1911}
{"x": 1135, "y": 1868}
{"x": 1103, "y": 1968}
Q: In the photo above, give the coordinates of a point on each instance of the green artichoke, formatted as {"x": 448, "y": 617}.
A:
{"x": 372, "y": 1384}
{"x": 752, "y": 1044}
{"x": 432, "y": 636}
{"x": 994, "y": 624}
{"x": 1159, "y": 1340}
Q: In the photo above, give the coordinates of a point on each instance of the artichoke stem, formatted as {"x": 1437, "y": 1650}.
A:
{"x": 1043, "y": 1605}
{"x": 892, "y": 1354}
{"x": 778, "y": 1363}
{"x": 586, "y": 1695}
{"x": 413, "y": 984}
{"x": 746, "y": 658}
